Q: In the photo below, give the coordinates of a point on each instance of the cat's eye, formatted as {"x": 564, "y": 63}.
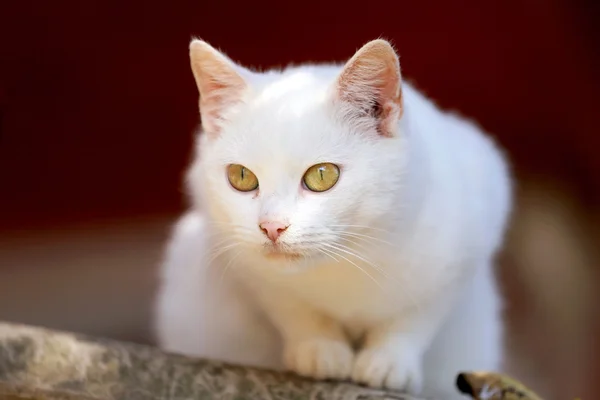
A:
{"x": 241, "y": 178}
{"x": 321, "y": 177}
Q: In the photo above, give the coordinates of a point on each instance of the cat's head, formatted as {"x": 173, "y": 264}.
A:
{"x": 299, "y": 164}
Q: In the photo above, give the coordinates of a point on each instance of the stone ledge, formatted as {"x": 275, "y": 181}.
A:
{"x": 41, "y": 364}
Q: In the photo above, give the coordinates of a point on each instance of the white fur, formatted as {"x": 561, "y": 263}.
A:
{"x": 407, "y": 239}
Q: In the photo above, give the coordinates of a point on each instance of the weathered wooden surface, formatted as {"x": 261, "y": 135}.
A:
{"x": 41, "y": 364}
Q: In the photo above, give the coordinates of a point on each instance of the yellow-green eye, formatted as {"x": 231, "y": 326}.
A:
{"x": 321, "y": 177}
{"x": 241, "y": 178}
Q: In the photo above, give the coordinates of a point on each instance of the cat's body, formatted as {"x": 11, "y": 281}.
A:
{"x": 394, "y": 259}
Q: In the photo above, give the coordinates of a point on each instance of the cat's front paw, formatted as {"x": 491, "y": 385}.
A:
{"x": 320, "y": 358}
{"x": 391, "y": 367}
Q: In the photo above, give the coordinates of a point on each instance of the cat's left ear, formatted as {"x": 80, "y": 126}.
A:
{"x": 370, "y": 87}
{"x": 219, "y": 82}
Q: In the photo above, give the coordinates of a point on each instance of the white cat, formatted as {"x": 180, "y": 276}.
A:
{"x": 342, "y": 226}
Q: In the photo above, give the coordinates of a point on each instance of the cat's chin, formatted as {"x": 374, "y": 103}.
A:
{"x": 276, "y": 255}
{"x": 286, "y": 261}
{"x": 281, "y": 252}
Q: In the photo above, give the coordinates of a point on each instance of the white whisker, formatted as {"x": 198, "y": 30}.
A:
{"x": 227, "y": 266}
{"x": 230, "y": 225}
{"x": 365, "y": 237}
{"x": 220, "y": 251}
{"x": 356, "y": 265}
{"x": 349, "y": 251}
{"x": 360, "y": 227}
{"x": 321, "y": 250}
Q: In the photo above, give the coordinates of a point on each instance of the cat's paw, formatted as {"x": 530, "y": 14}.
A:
{"x": 389, "y": 367}
{"x": 320, "y": 358}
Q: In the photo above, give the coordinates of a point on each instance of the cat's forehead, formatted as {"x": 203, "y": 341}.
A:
{"x": 285, "y": 135}
{"x": 286, "y": 124}
{"x": 290, "y": 114}
{"x": 296, "y": 93}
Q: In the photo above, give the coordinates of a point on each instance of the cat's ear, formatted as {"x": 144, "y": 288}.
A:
{"x": 370, "y": 87}
{"x": 219, "y": 82}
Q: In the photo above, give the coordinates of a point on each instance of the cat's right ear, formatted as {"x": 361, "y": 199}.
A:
{"x": 219, "y": 82}
{"x": 370, "y": 87}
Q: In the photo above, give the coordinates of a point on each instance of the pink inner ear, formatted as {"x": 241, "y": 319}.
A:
{"x": 391, "y": 110}
{"x": 391, "y": 113}
{"x": 372, "y": 84}
{"x": 215, "y": 97}
{"x": 218, "y": 82}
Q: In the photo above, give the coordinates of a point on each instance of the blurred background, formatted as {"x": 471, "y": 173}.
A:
{"x": 98, "y": 108}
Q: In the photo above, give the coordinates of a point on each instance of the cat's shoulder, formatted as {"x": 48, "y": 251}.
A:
{"x": 188, "y": 231}
{"x": 190, "y": 223}
{"x": 186, "y": 246}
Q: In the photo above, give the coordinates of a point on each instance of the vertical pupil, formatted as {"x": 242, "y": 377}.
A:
{"x": 242, "y": 172}
{"x": 321, "y": 172}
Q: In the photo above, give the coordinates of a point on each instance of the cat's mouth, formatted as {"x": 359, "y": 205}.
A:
{"x": 275, "y": 255}
{"x": 281, "y": 252}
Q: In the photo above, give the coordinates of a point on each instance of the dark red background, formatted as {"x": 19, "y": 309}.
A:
{"x": 97, "y": 103}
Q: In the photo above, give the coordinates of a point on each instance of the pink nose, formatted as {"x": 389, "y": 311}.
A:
{"x": 273, "y": 229}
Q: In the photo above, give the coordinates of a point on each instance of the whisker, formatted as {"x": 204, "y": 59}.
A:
{"x": 222, "y": 251}
{"x": 349, "y": 251}
{"x": 341, "y": 247}
{"x": 361, "y": 245}
{"x": 214, "y": 250}
{"x": 321, "y": 250}
{"x": 227, "y": 237}
{"x": 231, "y": 225}
{"x": 357, "y": 266}
{"x": 364, "y": 237}
{"x": 213, "y": 234}
{"x": 360, "y": 227}
{"x": 227, "y": 266}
